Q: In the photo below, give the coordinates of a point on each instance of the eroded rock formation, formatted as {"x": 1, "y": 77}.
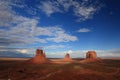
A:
{"x": 67, "y": 58}
{"x": 91, "y": 55}
{"x": 39, "y": 57}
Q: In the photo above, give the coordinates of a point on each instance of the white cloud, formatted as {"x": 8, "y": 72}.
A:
{"x": 55, "y": 34}
{"x": 17, "y": 51}
{"x": 21, "y": 33}
{"x": 49, "y": 7}
{"x": 23, "y": 30}
{"x": 62, "y": 37}
{"x": 54, "y": 46}
{"x": 66, "y": 4}
{"x": 27, "y": 33}
{"x": 21, "y": 4}
{"x": 84, "y": 30}
{"x": 6, "y": 13}
{"x": 23, "y": 51}
{"x": 83, "y": 10}
{"x": 48, "y": 31}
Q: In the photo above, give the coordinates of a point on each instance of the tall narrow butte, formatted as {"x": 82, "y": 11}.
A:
{"x": 67, "y": 58}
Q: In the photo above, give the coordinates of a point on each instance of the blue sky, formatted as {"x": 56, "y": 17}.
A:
{"x": 60, "y": 26}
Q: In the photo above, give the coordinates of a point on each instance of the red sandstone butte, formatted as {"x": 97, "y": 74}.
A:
{"x": 39, "y": 57}
{"x": 91, "y": 56}
{"x": 67, "y": 58}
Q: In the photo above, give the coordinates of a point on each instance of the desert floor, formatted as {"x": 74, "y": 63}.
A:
{"x": 19, "y": 69}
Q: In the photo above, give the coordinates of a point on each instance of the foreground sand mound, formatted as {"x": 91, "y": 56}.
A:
{"x": 39, "y": 58}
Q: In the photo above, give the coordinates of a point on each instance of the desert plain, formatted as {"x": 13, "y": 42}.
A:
{"x": 20, "y": 69}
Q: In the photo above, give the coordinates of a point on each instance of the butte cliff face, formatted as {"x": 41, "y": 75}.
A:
{"x": 39, "y": 57}
{"x": 91, "y": 55}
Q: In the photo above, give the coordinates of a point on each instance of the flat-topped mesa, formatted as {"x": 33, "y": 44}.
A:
{"x": 91, "y": 55}
{"x": 67, "y": 58}
{"x": 39, "y": 57}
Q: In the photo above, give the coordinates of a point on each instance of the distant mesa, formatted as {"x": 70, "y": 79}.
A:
{"x": 91, "y": 56}
{"x": 39, "y": 57}
{"x": 67, "y": 57}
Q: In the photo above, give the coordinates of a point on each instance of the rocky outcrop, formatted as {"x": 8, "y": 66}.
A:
{"x": 91, "y": 55}
{"x": 39, "y": 57}
{"x": 67, "y": 58}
